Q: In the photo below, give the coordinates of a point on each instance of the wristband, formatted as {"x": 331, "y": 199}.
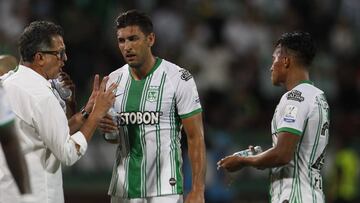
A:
{"x": 84, "y": 114}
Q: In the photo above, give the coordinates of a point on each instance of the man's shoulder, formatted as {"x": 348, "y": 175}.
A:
{"x": 119, "y": 71}
{"x": 169, "y": 66}
{"x": 175, "y": 72}
{"x": 27, "y": 88}
{"x": 302, "y": 93}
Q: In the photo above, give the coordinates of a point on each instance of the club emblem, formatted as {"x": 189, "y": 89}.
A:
{"x": 152, "y": 94}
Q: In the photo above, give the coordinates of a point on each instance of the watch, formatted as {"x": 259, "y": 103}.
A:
{"x": 84, "y": 113}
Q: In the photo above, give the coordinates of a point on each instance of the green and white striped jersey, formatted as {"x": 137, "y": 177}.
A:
{"x": 303, "y": 111}
{"x": 149, "y": 113}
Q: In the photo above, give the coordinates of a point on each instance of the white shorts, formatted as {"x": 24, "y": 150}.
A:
{"x": 160, "y": 199}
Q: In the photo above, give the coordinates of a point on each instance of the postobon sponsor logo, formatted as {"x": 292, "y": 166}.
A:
{"x": 147, "y": 118}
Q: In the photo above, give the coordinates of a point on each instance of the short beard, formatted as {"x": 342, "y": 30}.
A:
{"x": 136, "y": 66}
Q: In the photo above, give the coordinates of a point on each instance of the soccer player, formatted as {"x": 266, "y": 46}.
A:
{"x": 300, "y": 127}
{"x": 154, "y": 99}
{"x": 47, "y": 138}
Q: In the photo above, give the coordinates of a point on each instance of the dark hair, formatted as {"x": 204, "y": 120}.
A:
{"x": 301, "y": 43}
{"x": 37, "y": 36}
{"x": 134, "y": 17}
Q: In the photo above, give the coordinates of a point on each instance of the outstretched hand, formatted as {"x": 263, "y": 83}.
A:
{"x": 104, "y": 99}
{"x": 95, "y": 90}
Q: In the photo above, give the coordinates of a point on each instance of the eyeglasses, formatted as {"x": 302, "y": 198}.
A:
{"x": 61, "y": 54}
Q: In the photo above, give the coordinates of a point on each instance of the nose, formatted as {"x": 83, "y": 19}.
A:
{"x": 127, "y": 46}
{"x": 65, "y": 57}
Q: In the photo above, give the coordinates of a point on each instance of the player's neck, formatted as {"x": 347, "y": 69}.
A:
{"x": 295, "y": 77}
{"x": 141, "y": 72}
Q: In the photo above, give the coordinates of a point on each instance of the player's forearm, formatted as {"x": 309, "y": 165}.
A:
{"x": 268, "y": 159}
{"x": 197, "y": 157}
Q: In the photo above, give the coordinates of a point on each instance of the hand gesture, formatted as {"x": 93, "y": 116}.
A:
{"x": 104, "y": 98}
{"x": 95, "y": 90}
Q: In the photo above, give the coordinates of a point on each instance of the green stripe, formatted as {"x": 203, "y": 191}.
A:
{"x": 158, "y": 141}
{"x": 115, "y": 174}
{"x": 178, "y": 158}
{"x": 126, "y": 162}
{"x": 126, "y": 168}
{"x": 281, "y": 182}
{"x": 176, "y": 162}
{"x": 290, "y": 130}
{"x": 142, "y": 135}
{"x": 271, "y": 192}
{"x": 299, "y": 147}
{"x": 118, "y": 159}
{"x": 297, "y": 189}
{"x": 172, "y": 142}
{"x": 313, "y": 152}
{"x": 191, "y": 113}
{"x": 136, "y": 148}
{"x": 273, "y": 123}
{"x": 291, "y": 198}
{"x": 294, "y": 185}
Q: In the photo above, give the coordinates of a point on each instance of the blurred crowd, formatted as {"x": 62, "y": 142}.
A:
{"x": 227, "y": 45}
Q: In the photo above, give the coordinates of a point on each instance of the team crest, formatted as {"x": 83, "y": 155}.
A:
{"x": 152, "y": 94}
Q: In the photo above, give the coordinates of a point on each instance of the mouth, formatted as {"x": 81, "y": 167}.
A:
{"x": 130, "y": 57}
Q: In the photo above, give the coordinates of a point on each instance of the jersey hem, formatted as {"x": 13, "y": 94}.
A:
{"x": 191, "y": 113}
{"x": 290, "y": 130}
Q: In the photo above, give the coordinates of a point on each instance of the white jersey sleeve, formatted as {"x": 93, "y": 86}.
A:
{"x": 6, "y": 114}
{"x": 187, "y": 97}
{"x": 293, "y": 110}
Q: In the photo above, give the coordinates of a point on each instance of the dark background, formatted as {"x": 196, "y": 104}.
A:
{"x": 227, "y": 45}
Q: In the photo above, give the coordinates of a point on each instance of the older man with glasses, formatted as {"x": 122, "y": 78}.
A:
{"x": 48, "y": 139}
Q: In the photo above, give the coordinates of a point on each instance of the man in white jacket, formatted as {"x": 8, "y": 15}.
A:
{"x": 48, "y": 139}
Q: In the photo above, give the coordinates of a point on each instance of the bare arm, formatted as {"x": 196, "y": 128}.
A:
{"x": 77, "y": 120}
{"x": 193, "y": 127}
{"x": 279, "y": 155}
{"x": 14, "y": 157}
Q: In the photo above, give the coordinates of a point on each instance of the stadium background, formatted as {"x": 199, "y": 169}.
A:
{"x": 227, "y": 45}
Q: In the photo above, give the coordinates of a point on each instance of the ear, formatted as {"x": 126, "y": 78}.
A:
{"x": 39, "y": 59}
{"x": 286, "y": 62}
{"x": 151, "y": 39}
